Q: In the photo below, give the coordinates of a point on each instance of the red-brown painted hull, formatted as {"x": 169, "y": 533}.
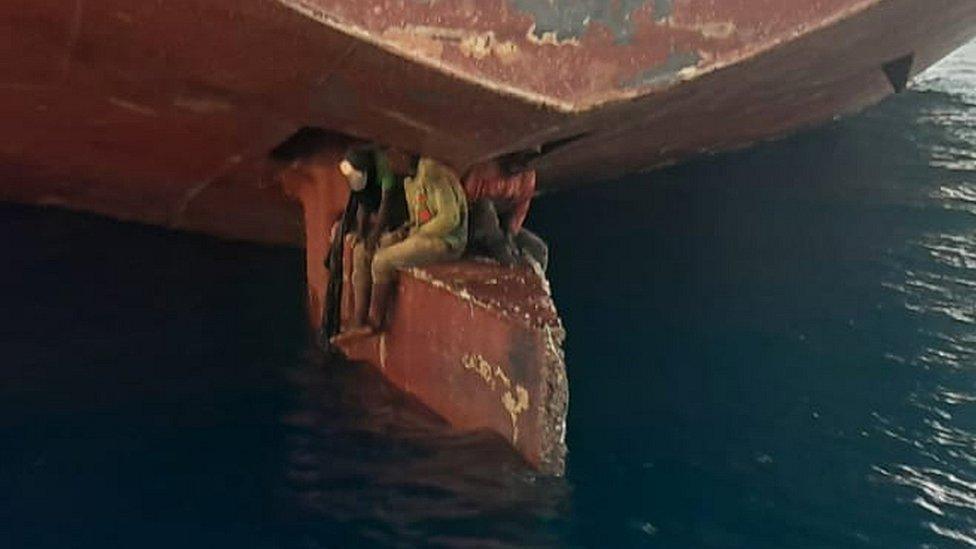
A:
{"x": 163, "y": 112}
{"x": 481, "y": 345}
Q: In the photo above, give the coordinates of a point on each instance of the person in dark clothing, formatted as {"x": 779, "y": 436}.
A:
{"x": 378, "y": 194}
{"x": 499, "y": 202}
{"x": 304, "y": 166}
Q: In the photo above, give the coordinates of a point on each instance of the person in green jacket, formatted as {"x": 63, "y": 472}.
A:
{"x": 437, "y": 231}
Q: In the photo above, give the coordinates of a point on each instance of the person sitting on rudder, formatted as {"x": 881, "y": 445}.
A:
{"x": 499, "y": 200}
{"x": 378, "y": 192}
{"x": 436, "y": 232}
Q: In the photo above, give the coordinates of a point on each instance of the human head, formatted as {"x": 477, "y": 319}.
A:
{"x": 355, "y": 167}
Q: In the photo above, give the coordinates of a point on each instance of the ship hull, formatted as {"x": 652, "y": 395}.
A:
{"x": 481, "y": 346}
{"x": 164, "y": 112}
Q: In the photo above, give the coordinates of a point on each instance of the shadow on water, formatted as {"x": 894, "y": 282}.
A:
{"x": 157, "y": 390}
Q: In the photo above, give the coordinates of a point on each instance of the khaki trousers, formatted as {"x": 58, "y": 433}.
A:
{"x": 413, "y": 251}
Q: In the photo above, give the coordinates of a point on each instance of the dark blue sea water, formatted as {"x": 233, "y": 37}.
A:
{"x": 770, "y": 348}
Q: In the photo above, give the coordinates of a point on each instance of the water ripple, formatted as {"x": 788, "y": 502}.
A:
{"x": 934, "y": 279}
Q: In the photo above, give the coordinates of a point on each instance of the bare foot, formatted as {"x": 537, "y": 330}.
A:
{"x": 352, "y": 334}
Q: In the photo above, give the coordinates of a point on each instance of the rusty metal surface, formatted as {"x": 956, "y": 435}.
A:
{"x": 162, "y": 111}
{"x": 468, "y": 352}
{"x": 518, "y": 294}
{"x": 805, "y": 81}
{"x": 575, "y": 54}
{"x": 481, "y": 370}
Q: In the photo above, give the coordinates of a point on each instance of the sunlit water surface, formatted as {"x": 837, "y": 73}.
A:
{"x": 772, "y": 348}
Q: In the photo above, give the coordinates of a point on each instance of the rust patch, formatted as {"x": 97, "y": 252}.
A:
{"x": 679, "y": 66}
{"x": 431, "y": 41}
{"x": 549, "y": 38}
{"x": 519, "y": 47}
{"x": 722, "y": 31}
{"x": 515, "y": 398}
{"x": 520, "y": 294}
{"x": 710, "y": 30}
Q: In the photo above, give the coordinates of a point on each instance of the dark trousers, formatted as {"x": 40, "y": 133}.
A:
{"x": 486, "y": 237}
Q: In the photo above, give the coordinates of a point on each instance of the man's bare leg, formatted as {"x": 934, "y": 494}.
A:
{"x": 362, "y": 281}
{"x": 378, "y": 304}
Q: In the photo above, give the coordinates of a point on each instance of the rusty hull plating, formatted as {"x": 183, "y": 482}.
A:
{"x": 163, "y": 112}
{"x": 481, "y": 345}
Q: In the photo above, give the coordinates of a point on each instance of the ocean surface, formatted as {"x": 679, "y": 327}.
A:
{"x": 768, "y": 348}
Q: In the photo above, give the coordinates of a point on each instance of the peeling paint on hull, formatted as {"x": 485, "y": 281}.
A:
{"x": 163, "y": 111}
{"x": 484, "y": 357}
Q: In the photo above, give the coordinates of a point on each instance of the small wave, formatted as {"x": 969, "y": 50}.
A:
{"x": 925, "y": 504}
{"x": 952, "y": 250}
{"x": 930, "y": 293}
{"x": 941, "y": 489}
{"x": 954, "y": 159}
{"x": 965, "y": 193}
{"x": 955, "y": 397}
{"x": 954, "y": 535}
{"x": 948, "y": 436}
{"x": 921, "y": 404}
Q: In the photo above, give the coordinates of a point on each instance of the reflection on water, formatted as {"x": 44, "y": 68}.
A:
{"x": 792, "y": 336}
{"x": 940, "y": 292}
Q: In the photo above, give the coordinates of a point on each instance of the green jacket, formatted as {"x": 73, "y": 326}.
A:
{"x": 437, "y": 205}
